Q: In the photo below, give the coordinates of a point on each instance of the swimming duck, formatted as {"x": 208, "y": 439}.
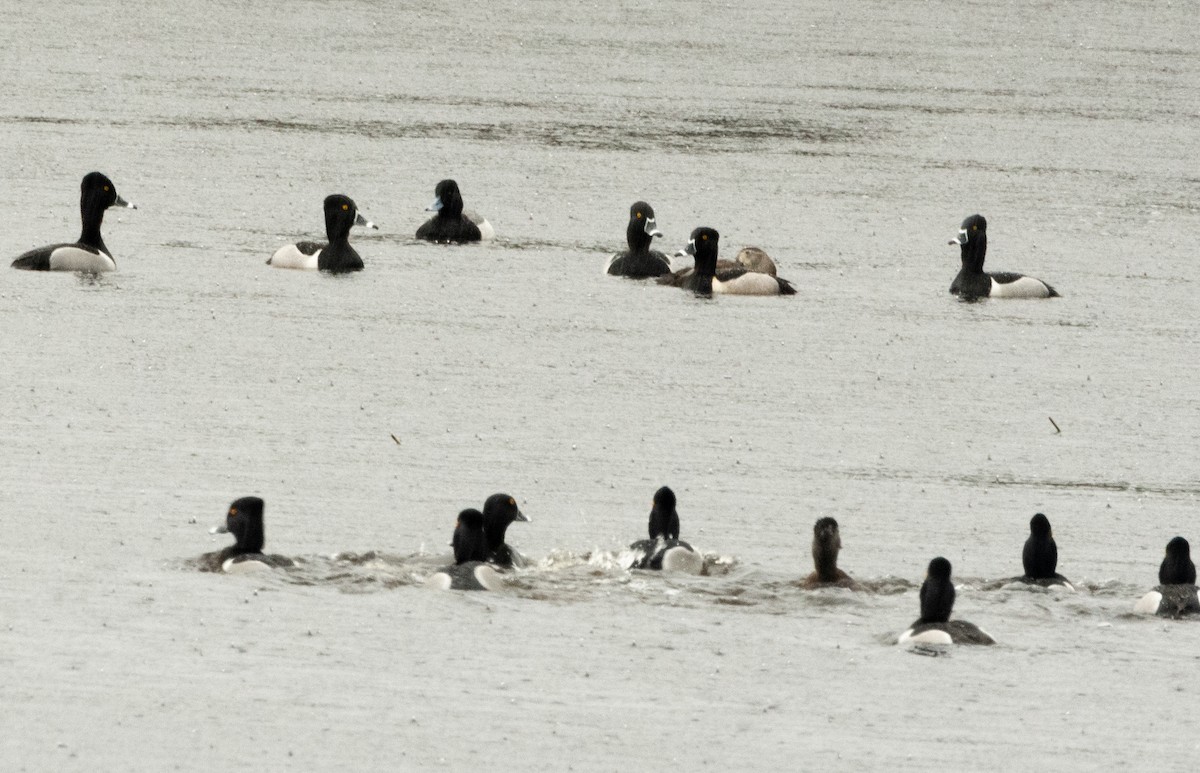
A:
{"x": 337, "y": 256}
{"x": 470, "y": 570}
{"x": 451, "y": 224}
{"x": 826, "y": 544}
{"x": 934, "y": 626}
{"x": 972, "y": 282}
{"x": 96, "y": 194}
{"x": 1176, "y": 594}
{"x": 244, "y": 521}
{"x": 664, "y": 549}
{"x": 705, "y": 280}
{"x": 639, "y": 261}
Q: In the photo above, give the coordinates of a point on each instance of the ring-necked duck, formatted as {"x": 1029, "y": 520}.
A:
{"x": 96, "y": 194}
{"x": 1176, "y": 594}
{"x": 827, "y": 542}
{"x": 705, "y": 278}
{"x": 499, "y": 511}
{"x": 1040, "y": 555}
{"x": 664, "y": 549}
{"x": 934, "y": 626}
{"x": 337, "y": 256}
{"x": 639, "y": 261}
{"x": 451, "y": 224}
{"x": 972, "y": 282}
{"x": 470, "y": 570}
{"x": 245, "y": 522}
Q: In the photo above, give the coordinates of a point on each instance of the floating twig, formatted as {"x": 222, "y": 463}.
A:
{"x": 398, "y": 439}
{"x": 1056, "y": 429}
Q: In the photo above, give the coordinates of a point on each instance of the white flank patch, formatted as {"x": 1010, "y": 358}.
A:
{"x": 76, "y": 259}
{"x": 488, "y": 577}
{"x": 682, "y": 560}
{"x": 290, "y": 257}
{"x": 930, "y": 636}
{"x": 486, "y": 231}
{"x": 1025, "y": 287}
{"x": 748, "y": 284}
{"x": 1148, "y": 604}
{"x": 438, "y": 581}
{"x": 245, "y": 566}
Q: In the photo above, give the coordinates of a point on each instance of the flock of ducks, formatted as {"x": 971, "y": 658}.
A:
{"x": 482, "y": 558}
{"x": 480, "y": 552}
{"x": 751, "y": 273}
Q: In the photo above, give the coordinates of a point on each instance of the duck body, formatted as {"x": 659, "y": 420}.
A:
{"x": 972, "y": 282}
{"x": 639, "y": 261}
{"x": 244, "y": 520}
{"x": 826, "y": 544}
{"x": 934, "y": 626}
{"x": 89, "y": 254}
{"x": 664, "y": 550}
{"x": 336, "y": 255}
{"x": 450, "y": 224}
{"x": 1176, "y": 594}
{"x": 470, "y": 570}
{"x": 707, "y": 277}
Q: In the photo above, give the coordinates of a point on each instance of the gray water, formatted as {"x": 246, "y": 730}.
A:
{"x": 846, "y": 139}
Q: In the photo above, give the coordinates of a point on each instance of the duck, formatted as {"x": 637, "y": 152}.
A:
{"x": 1176, "y": 594}
{"x": 337, "y": 256}
{"x": 451, "y": 225}
{"x": 664, "y": 549}
{"x": 499, "y": 511}
{"x": 705, "y": 279}
{"x": 934, "y": 626}
{"x": 470, "y": 570}
{"x": 1040, "y": 555}
{"x": 752, "y": 259}
{"x": 639, "y": 261}
{"x": 973, "y": 283}
{"x": 244, "y": 520}
{"x": 89, "y": 254}
{"x": 827, "y": 542}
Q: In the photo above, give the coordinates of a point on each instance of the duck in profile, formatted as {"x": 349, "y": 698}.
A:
{"x": 336, "y": 256}
{"x": 934, "y": 626}
{"x": 664, "y": 549}
{"x": 96, "y": 194}
{"x": 826, "y": 544}
{"x": 1176, "y": 594}
{"x": 470, "y": 570}
{"x": 451, "y": 225}
{"x": 704, "y": 279}
{"x": 639, "y": 261}
{"x": 244, "y": 521}
{"x": 972, "y": 282}
{"x": 499, "y": 512}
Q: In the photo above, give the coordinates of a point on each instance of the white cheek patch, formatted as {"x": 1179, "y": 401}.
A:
{"x": 76, "y": 259}
{"x": 1148, "y": 604}
{"x": 290, "y": 257}
{"x": 1025, "y": 287}
{"x": 748, "y": 284}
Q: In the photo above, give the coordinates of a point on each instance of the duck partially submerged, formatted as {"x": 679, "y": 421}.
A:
{"x": 664, "y": 549}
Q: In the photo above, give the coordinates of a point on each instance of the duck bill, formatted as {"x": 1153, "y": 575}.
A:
{"x": 961, "y": 238}
{"x": 220, "y": 529}
{"x": 522, "y": 517}
{"x": 360, "y": 220}
{"x": 690, "y": 249}
{"x": 120, "y": 202}
{"x": 436, "y": 206}
{"x": 651, "y": 228}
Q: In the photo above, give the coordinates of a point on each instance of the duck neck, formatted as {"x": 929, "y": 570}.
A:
{"x": 825, "y": 560}
{"x": 637, "y": 238}
{"x": 91, "y": 212}
{"x": 973, "y": 253}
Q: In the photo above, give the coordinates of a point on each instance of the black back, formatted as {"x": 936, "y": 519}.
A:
{"x": 1177, "y": 567}
{"x": 1040, "y": 555}
{"x": 937, "y": 593}
{"x": 340, "y": 216}
{"x": 469, "y": 541}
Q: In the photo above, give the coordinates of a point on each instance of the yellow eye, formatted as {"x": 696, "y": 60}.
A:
{"x": 705, "y": 237}
{"x": 345, "y": 207}
{"x": 974, "y": 228}
{"x": 639, "y": 216}
{"x": 233, "y": 511}
{"x": 512, "y": 501}
{"x": 106, "y": 189}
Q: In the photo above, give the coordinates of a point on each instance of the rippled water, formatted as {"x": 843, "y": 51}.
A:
{"x": 846, "y": 139}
